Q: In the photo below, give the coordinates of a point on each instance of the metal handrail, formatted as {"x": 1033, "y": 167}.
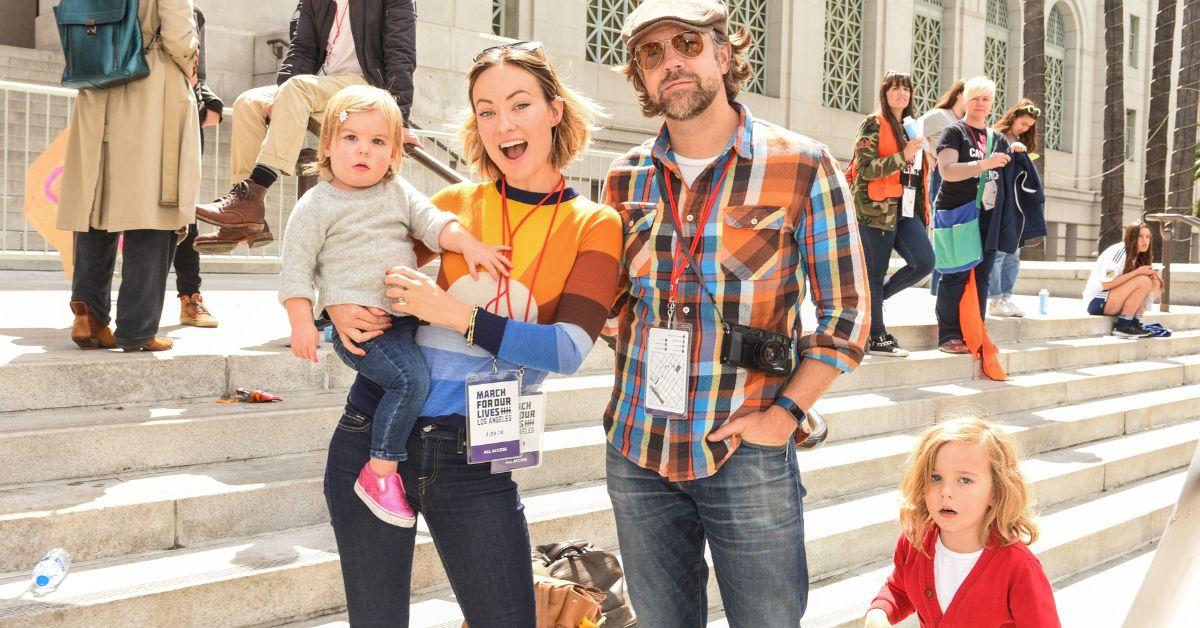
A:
{"x": 1168, "y": 236}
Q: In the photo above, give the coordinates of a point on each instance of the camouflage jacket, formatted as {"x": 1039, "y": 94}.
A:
{"x": 879, "y": 214}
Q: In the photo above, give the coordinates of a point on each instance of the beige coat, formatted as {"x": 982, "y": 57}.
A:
{"x": 133, "y": 158}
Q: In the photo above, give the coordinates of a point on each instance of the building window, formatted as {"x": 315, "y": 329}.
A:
{"x": 1130, "y": 130}
{"x": 927, "y": 54}
{"x": 843, "y": 54}
{"x": 1056, "y": 58}
{"x": 752, "y": 16}
{"x": 995, "y": 55}
{"x": 605, "y": 18}
{"x": 1135, "y": 23}
{"x": 504, "y": 23}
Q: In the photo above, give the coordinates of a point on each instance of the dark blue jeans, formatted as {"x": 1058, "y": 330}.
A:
{"x": 146, "y": 260}
{"x": 935, "y": 186}
{"x": 751, "y": 514}
{"x": 910, "y": 241}
{"x": 475, "y": 518}
{"x": 394, "y": 362}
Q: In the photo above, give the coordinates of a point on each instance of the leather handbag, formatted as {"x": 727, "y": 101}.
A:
{"x": 578, "y": 561}
{"x": 563, "y": 604}
{"x": 102, "y": 43}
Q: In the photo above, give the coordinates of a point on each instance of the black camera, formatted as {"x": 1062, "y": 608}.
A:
{"x": 757, "y": 350}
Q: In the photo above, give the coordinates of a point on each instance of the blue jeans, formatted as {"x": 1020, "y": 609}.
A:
{"x": 475, "y": 518}
{"x": 751, "y": 514}
{"x": 1004, "y": 274}
{"x": 910, "y": 241}
{"x": 394, "y": 362}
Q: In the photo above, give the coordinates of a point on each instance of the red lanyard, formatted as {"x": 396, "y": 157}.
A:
{"x": 678, "y": 268}
{"x": 508, "y": 235}
{"x": 338, "y": 20}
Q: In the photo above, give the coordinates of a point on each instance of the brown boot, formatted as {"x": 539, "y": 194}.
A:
{"x": 226, "y": 239}
{"x": 192, "y": 312}
{"x": 241, "y": 207}
{"x": 157, "y": 343}
{"x": 87, "y": 332}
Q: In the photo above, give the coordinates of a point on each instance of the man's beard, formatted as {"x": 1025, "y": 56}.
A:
{"x": 684, "y": 105}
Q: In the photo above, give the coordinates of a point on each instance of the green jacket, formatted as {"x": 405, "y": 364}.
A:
{"x": 879, "y": 214}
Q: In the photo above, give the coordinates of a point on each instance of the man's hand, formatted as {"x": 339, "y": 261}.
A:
{"x": 772, "y": 427}
{"x": 356, "y": 324}
{"x": 211, "y": 118}
{"x": 304, "y": 341}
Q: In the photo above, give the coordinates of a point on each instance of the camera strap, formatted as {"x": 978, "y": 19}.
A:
{"x": 664, "y": 183}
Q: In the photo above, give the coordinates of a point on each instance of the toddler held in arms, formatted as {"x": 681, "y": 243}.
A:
{"x": 342, "y": 237}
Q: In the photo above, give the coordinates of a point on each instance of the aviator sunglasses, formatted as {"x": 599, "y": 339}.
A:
{"x": 649, "y": 54}
{"x": 527, "y": 46}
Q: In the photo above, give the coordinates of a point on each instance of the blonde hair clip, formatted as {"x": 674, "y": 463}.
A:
{"x": 342, "y": 115}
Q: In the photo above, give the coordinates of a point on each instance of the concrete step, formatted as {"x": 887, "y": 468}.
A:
{"x": 1067, "y": 279}
{"x": 107, "y": 377}
{"x": 1113, "y": 522}
{"x": 1117, "y": 583}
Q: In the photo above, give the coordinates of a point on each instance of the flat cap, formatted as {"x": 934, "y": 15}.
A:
{"x": 703, "y": 14}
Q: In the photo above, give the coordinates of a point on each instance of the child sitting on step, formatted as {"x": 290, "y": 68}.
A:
{"x": 342, "y": 237}
{"x": 965, "y": 517}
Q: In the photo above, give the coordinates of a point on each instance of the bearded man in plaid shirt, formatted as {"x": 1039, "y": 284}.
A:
{"x": 728, "y": 219}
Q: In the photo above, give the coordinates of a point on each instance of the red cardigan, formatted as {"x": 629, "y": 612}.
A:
{"x": 1007, "y": 587}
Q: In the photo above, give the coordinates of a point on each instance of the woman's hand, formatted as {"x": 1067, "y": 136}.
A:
{"x": 912, "y": 147}
{"x": 356, "y": 323}
{"x": 488, "y": 256}
{"x": 1018, "y": 147}
{"x": 304, "y": 341}
{"x": 416, "y": 294}
{"x": 995, "y": 160}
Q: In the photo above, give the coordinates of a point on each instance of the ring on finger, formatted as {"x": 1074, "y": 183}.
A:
{"x": 402, "y": 301}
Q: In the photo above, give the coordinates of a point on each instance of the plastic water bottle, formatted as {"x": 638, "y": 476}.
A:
{"x": 1043, "y": 301}
{"x": 50, "y": 571}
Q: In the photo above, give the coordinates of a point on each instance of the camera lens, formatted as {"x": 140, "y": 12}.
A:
{"x": 773, "y": 353}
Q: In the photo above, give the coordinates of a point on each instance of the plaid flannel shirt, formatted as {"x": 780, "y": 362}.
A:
{"x": 783, "y": 220}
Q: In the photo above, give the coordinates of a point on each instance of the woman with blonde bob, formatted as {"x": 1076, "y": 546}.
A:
{"x": 525, "y": 126}
{"x": 965, "y": 511}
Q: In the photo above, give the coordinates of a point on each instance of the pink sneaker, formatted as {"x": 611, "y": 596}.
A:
{"x": 385, "y": 497}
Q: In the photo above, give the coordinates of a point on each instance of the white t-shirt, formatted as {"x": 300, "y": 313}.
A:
{"x": 691, "y": 168}
{"x": 341, "y": 58}
{"x": 950, "y": 569}
{"x": 933, "y": 124}
{"x": 1109, "y": 266}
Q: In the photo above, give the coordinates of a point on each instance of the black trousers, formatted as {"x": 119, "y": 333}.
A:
{"x": 950, "y": 292}
{"x": 187, "y": 264}
{"x": 147, "y": 259}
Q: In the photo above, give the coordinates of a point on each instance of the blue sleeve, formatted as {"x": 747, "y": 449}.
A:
{"x": 557, "y": 348}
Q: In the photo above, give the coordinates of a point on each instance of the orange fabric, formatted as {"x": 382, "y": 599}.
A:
{"x": 889, "y": 186}
{"x": 975, "y": 333}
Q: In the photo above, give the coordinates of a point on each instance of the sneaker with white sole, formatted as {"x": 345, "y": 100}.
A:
{"x": 1130, "y": 329}
{"x": 1013, "y": 310}
{"x": 998, "y": 308}
{"x": 385, "y": 497}
{"x": 885, "y": 344}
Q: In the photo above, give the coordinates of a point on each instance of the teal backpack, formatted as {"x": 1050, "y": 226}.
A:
{"x": 102, "y": 43}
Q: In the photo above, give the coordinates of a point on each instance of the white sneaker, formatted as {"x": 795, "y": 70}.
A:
{"x": 1013, "y": 310}
{"x": 998, "y": 308}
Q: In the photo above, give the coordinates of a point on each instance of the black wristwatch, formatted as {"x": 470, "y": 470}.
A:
{"x": 796, "y": 411}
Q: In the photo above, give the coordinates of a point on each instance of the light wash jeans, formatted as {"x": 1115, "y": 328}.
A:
{"x": 1004, "y": 274}
{"x": 751, "y": 514}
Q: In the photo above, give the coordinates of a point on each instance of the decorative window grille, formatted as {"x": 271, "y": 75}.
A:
{"x": 751, "y": 16}
{"x": 604, "y": 21}
{"x": 841, "y": 86}
{"x": 1056, "y": 55}
{"x": 995, "y": 55}
{"x": 927, "y": 54}
{"x": 498, "y": 11}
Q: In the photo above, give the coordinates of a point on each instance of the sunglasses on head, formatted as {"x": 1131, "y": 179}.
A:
{"x": 1031, "y": 110}
{"x": 649, "y": 54}
{"x": 896, "y": 74}
{"x": 527, "y": 46}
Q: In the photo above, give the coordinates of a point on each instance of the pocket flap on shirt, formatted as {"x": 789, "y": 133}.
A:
{"x": 637, "y": 216}
{"x": 755, "y": 216}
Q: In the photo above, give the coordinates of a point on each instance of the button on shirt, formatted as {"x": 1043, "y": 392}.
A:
{"x": 783, "y": 223}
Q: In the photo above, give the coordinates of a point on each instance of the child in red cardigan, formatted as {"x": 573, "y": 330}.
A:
{"x": 960, "y": 561}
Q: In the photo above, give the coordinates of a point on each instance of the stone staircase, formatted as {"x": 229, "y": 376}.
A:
{"x": 181, "y": 511}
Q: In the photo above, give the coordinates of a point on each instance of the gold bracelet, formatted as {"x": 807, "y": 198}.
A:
{"x": 471, "y": 327}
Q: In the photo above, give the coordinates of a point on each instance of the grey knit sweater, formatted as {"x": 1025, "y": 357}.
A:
{"x": 338, "y": 245}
